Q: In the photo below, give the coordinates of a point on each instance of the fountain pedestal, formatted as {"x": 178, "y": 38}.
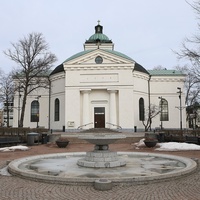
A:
{"x": 101, "y": 156}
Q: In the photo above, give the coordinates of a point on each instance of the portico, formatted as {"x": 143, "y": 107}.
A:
{"x": 99, "y": 108}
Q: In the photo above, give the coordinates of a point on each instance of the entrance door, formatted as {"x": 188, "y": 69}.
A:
{"x": 99, "y": 117}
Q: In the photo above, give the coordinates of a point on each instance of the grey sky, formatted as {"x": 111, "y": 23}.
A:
{"x": 145, "y": 30}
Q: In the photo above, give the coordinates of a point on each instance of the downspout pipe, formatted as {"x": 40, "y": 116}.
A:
{"x": 149, "y": 98}
{"x": 49, "y": 104}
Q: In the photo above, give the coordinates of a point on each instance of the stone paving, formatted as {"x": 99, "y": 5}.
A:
{"x": 15, "y": 188}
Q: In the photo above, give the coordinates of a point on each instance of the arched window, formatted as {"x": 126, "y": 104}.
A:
{"x": 141, "y": 109}
{"x": 35, "y": 111}
{"x": 57, "y": 110}
{"x": 164, "y": 114}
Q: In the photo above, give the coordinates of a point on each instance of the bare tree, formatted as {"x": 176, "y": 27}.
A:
{"x": 7, "y": 90}
{"x": 151, "y": 112}
{"x": 190, "y": 51}
{"x": 191, "y": 84}
{"x": 190, "y": 46}
{"x": 159, "y": 67}
{"x": 34, "y": 61}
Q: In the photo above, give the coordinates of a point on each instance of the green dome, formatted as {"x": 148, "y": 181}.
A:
{"x": 99, "y": 36}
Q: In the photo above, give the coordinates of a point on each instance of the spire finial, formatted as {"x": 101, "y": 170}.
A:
{"x": 98, "y": 22}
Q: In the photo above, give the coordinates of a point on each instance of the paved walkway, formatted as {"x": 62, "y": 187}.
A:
{"x": 15, "y": 188}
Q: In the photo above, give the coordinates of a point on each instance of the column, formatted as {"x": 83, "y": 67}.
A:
{"x": 86, "y": 106}
{"x": 113, "y": 108}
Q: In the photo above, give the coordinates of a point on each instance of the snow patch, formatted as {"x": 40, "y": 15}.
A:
{"x": 13, "y": 148}
{"x": 176, "y": 146}
{"x": 169, "y": 146}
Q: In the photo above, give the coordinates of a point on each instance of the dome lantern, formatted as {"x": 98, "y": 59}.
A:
{"x": 98, "y": 37}
{"x": 98, "y": 28}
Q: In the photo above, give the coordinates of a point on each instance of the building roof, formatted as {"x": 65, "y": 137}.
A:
{"x": 139, "y": 68}
{"x": 59, "y": 68}
{"x": 117, "y": 53}
{"x": 106, "y": 50}
{"x": 78, "y": 55}
{"x": 165, "y": 72}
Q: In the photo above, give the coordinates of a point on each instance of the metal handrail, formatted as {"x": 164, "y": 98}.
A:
{"x": 118, "y": 127}
{"x": 84, "y": 125}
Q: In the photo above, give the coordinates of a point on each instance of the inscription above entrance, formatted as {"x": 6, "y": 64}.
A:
{"x": 99, "y": 78}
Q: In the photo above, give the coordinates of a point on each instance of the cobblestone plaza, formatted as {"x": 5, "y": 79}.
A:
{"x": 15, "y": 188}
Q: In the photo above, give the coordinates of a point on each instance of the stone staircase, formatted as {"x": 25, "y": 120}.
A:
{"x": 101, "y": 130}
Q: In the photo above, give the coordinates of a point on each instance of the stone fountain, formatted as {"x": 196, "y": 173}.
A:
{"x": 85, "y": 168}
{"x": 101, "y": 156}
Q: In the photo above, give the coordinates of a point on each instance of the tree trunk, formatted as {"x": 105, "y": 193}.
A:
{"x": 7, "y": 113}
{"x": 21, "y": 123}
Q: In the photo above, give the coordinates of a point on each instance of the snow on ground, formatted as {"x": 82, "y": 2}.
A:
{"x": 167, "y": 146}
{"x": 177, "y": 146}
{"x": 13, "y": 148}
{"x": 170, "y": 146}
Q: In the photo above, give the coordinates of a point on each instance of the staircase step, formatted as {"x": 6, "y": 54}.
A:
{"x": 101, "y": 130}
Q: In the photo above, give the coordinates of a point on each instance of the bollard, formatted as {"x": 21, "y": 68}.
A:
{"x": 103, "y": 184}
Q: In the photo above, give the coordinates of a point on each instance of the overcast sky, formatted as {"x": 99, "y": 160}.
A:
{"x": 145, "y": 30}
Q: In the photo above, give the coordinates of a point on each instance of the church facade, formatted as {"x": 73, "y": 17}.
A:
{"x": 103, "y": 88}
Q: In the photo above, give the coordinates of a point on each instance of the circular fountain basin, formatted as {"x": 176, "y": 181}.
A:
{"x": 140, "y": 168}
{"x": 102, "y": 138}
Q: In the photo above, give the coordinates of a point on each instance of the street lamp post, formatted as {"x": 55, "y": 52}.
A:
{"x": 161, "y": 123}
{"x": 37, "y": 120}
{"x": 19, "y": 110}
{"x": 180, "y": 106}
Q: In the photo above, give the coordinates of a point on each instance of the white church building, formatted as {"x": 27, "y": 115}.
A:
{"x": 103, "y": 88}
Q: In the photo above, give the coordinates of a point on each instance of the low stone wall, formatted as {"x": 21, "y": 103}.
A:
{"x": 186, "y": 135}
{"x": 21, "y": 132}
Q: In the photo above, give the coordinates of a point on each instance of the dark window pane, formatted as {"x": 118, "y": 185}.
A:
{"x": 57, "y": 110}
{"x": 141, "y": 109}
{"x": 99, "y": 110}
{"x": 164, "y": 114}
{"x": 35, "y": 111}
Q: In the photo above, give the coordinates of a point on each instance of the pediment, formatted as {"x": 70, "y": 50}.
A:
{"x": 108, "y": 58}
